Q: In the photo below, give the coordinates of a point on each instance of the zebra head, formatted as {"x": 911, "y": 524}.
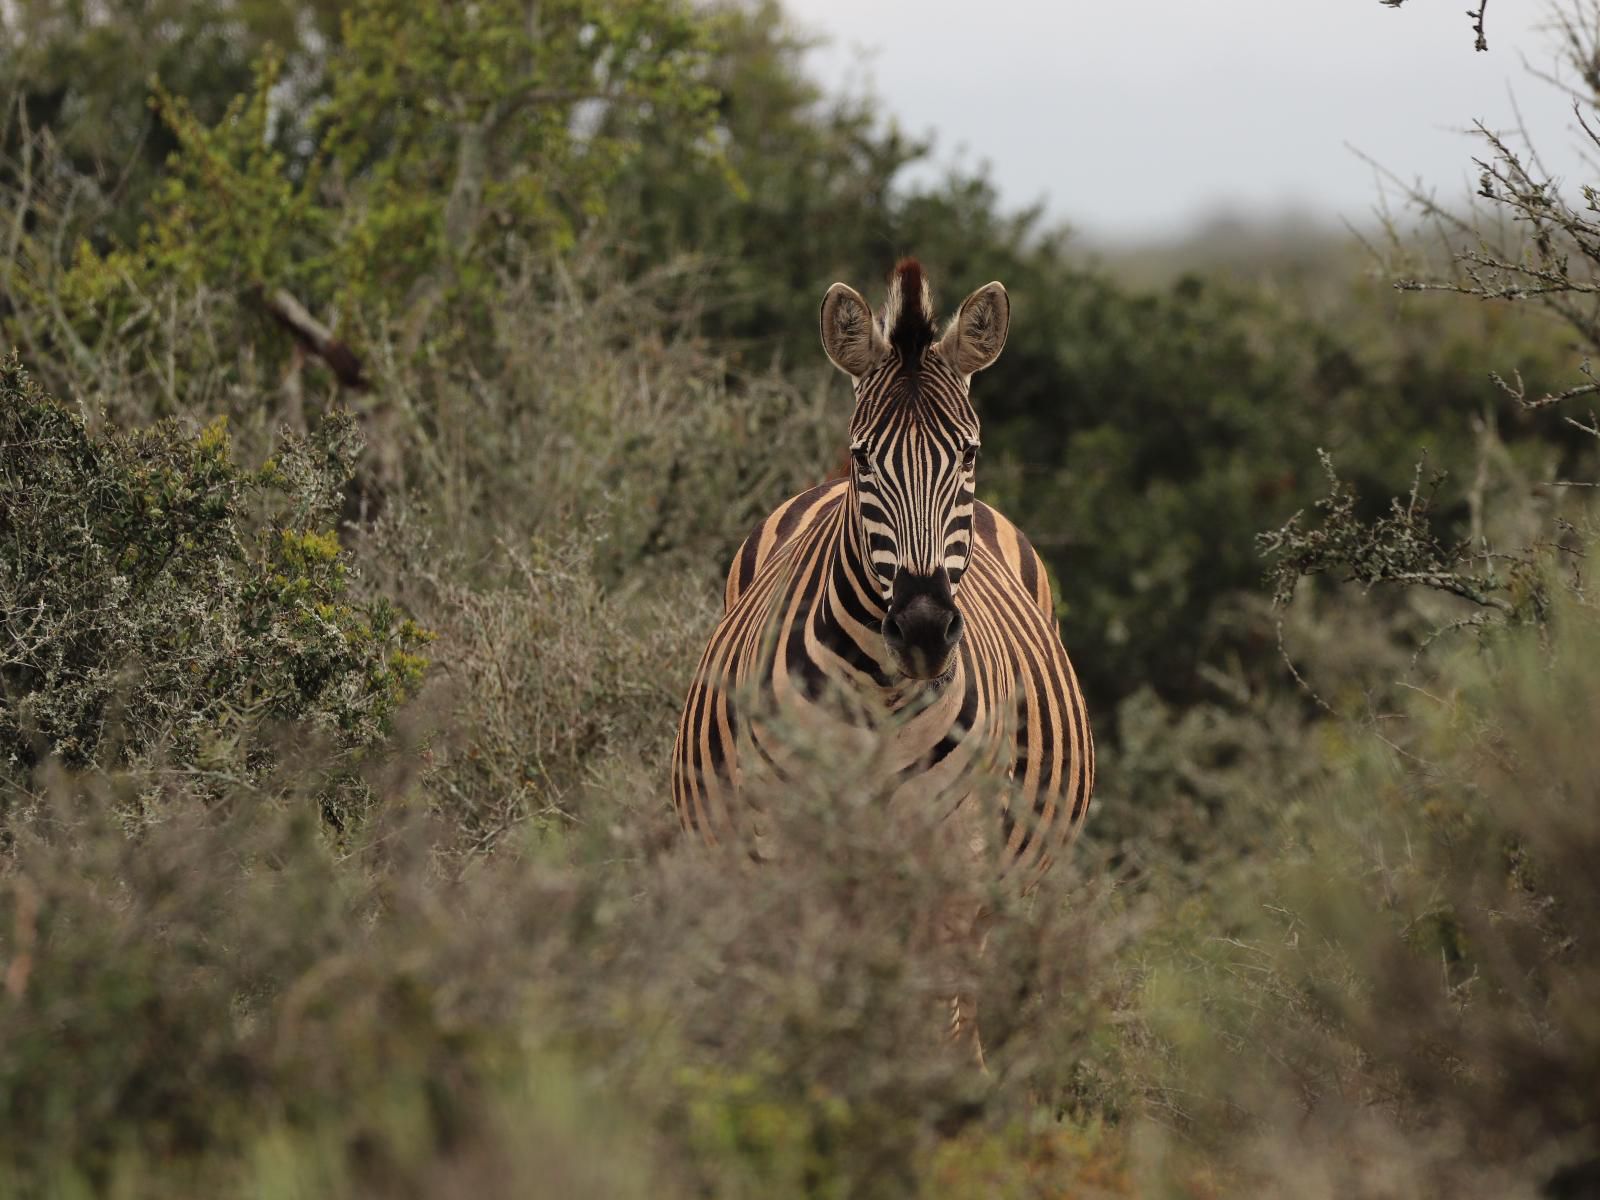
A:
{"x": 914, "y": 451}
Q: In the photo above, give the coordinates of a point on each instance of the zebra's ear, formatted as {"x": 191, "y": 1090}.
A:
{"x": 849, "y": 334}
{"x": 978, "y": 333}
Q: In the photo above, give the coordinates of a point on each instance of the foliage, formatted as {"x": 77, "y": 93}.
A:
{"x": 800, "y": 191}
{"x": 416, "y": 181}
{"x": 554, "y": 680}
{"x": 162, "y": 603}
{"x": 241, "y": 1004}
{"x": 606, "y": 412}
{"x": 1401, "y": 547}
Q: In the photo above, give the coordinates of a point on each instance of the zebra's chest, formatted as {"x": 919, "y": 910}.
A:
{"x": 933, "y": 756}
{"x": 921, "y": 738}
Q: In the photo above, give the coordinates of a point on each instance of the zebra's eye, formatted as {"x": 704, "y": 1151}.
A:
{"x": 862, "y": 460}
{"x": 969, "y": 458}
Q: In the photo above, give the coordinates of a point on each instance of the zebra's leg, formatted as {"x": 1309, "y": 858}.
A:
{"x": 964, "y": 1025}
{"x": 963, "y": 924}
{"x": 966, "y": 927}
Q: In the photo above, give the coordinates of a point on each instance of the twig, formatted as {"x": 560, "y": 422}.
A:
{"x": 1299, "y": 678}
{"x": 1592, "y": 428}
{"x": 1519, "y": 391}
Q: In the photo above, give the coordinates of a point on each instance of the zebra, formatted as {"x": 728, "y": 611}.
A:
{"x": 894, "y": 586}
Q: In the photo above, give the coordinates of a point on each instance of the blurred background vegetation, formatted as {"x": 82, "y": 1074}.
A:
{"x": 388, "y": 386}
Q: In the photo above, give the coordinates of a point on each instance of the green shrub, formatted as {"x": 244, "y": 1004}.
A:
{"x": 162, "y": 603}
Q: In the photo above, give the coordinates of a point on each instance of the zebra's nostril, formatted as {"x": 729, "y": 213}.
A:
{"x": 952, "y": 633}
{"x": 901, "y": 628}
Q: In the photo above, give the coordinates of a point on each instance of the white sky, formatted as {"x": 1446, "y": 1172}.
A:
{"x": 1133, "y": 118}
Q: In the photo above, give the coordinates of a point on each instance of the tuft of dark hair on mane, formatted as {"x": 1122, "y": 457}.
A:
{"x": 913, "y": 329}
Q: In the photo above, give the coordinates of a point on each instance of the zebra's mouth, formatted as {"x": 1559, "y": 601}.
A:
{"x": 916, "y": 665}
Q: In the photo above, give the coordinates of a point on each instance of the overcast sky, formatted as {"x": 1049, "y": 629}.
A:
{"x": 1133, "y": 118}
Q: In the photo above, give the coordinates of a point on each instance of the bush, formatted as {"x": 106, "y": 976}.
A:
{"x": 562, "y": 692}
{"x": 245, "y": 1000}
{"x": 164, "y": 604}
{"x": 1415, "y": 949}
{"x": 245, "y": 1007}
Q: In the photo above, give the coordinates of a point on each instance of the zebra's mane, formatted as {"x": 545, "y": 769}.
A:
{"x": 908, "y": 321}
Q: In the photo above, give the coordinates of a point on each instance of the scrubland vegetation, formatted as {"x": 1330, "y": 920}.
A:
{"x": 389, "y": 385}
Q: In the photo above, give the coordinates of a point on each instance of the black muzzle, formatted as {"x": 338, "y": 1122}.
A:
{"x": 923, "y": 626}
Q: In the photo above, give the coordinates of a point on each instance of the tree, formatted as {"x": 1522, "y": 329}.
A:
{"x": 434, "y": 151}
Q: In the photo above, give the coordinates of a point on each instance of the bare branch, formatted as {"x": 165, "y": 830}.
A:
{"x": 315, "y": 337}
{"x": 1305, "y": 686}
{"x": 1519, "y": 393}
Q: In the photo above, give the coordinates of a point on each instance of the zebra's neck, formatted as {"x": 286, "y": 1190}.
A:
{"x": 849, "y": 617}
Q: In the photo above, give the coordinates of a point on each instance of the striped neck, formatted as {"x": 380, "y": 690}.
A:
{"x": 849, "y": 617}
{"x": 853, "y": 572}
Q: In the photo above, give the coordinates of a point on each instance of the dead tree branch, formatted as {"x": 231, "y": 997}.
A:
{"x": 315, "y": 337}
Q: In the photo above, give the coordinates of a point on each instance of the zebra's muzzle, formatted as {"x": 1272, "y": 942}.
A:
{"x": 923, "y": 626}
